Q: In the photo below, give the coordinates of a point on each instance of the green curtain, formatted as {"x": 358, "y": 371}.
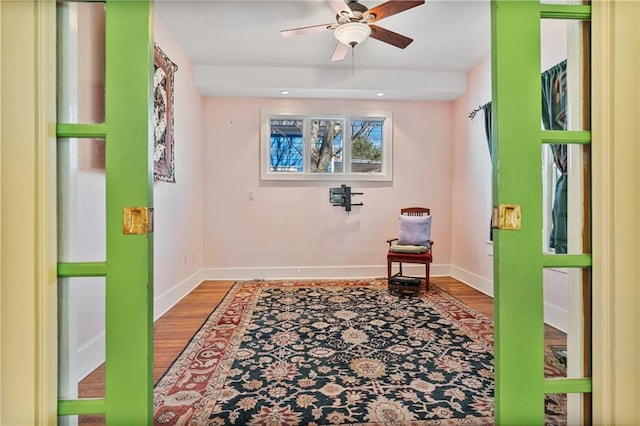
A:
{"x": 554, "y": 117}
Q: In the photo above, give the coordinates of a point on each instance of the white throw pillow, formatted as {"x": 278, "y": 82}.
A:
{"x": 414, "y": 230}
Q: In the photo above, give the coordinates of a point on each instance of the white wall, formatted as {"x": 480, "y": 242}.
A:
{"x": 291, "y": 229}
{"x": 178, "y": 207}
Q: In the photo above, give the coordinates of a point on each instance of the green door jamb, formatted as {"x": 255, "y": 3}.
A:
{"x": 128, "y": 269}
{"x": 520, "y": 385}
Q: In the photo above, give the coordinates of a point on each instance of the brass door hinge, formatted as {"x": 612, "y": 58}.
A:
{"x": 507, "y": 216}
{"x": 137, "y": 220}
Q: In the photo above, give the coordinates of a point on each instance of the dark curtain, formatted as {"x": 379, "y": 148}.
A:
{"x": 554, "y": 117}
{"x": 486, "y": 108}
{"x": 487, "y": 124}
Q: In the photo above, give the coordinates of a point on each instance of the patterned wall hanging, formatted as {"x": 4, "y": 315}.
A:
{"x": 163, "y": 158}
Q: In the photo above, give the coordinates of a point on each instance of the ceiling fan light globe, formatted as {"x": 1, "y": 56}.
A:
{"x": 352, "y": 33}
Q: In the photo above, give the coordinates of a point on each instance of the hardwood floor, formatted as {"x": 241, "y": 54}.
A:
{"x": 484, "y": 304}
{"x": 171, "y": 333}
{"x": 174, "y": 329}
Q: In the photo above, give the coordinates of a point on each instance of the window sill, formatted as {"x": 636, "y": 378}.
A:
{"x": 333, "y": 177}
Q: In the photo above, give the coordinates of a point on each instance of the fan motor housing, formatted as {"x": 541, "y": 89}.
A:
{"x": 357, "y": 13}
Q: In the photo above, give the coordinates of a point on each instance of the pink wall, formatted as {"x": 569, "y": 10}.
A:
{"x": 206, "y": 222}
{"x": 178, "y": 235}
{"x": 471, "y": 181}
{"x": 471, "y": 165}
{"x": 290, "y": 226}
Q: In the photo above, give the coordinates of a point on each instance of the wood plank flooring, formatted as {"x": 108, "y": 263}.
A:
{"x": 174, "y": 329}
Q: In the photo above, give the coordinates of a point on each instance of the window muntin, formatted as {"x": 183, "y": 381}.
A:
{"x": 326, "y": 147}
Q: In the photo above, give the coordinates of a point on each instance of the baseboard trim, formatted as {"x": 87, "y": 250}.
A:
{"x": 481, "y": 284}
{"x": 553, "y": 315}
{"x": 556, "y": 317}
{"x": 315, "y": 272}
{"x": 169, "y": 298}
{"x": 91, "y": 356}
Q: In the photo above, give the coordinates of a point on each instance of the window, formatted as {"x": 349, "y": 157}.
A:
{"x": 326, "y": 147}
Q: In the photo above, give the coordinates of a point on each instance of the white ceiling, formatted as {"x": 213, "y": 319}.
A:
{"x": 237, "y": 50}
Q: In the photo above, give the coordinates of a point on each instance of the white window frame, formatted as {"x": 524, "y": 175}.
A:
{"x": 386, "y": 173}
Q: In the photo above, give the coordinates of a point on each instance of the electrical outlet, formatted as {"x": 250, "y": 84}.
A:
{"x": 186, "y": 259}
{"x": 252, "y": 195}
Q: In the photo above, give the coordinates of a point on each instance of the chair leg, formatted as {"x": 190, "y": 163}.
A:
{"x": 388, "y": 269}
{"x": 426, "y": 279}
{"x": 400, "y": 263}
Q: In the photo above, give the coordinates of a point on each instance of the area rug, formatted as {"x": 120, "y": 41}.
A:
{"x": 335, "y": 352}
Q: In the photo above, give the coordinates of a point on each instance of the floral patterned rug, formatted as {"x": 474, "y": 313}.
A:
{"x": 335, "y": 352}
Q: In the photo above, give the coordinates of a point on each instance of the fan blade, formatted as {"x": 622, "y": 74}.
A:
{"x": 307, "y": 30}
{"x": 340, "y": 7}
{"x": 389, "y": 8}
{"x": 387, "y": 36}
{"x": 339, "y": 52}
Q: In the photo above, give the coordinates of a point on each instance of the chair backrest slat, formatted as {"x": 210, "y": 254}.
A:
{"x": 415, "y": 211}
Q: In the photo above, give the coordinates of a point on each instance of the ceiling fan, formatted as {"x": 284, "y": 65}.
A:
{"x": 354, "y": 24}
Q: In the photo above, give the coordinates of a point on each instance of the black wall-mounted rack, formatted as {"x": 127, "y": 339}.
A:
{"x": 341, "y": 197}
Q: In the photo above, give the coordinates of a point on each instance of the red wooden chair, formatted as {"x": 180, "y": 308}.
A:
{"x": 414, "y": 244}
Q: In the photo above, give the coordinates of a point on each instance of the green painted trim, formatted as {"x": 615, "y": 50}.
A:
{"x": 577, "y": 385}
{"x": 565, "y": 11}
{"x": 567, "y": 261}
{"x": 518, "y": 262}
{"x": 82, "y": 269}
{"x": 81, "y": 130}
{"x": 129, "y": 182}
{"x": 70, "y": 407}
{"x": 566, "y": 136}
{"x": 517, "y": 284}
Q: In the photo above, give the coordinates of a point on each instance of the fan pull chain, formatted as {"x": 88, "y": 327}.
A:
{"x": 353, "y": 61}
